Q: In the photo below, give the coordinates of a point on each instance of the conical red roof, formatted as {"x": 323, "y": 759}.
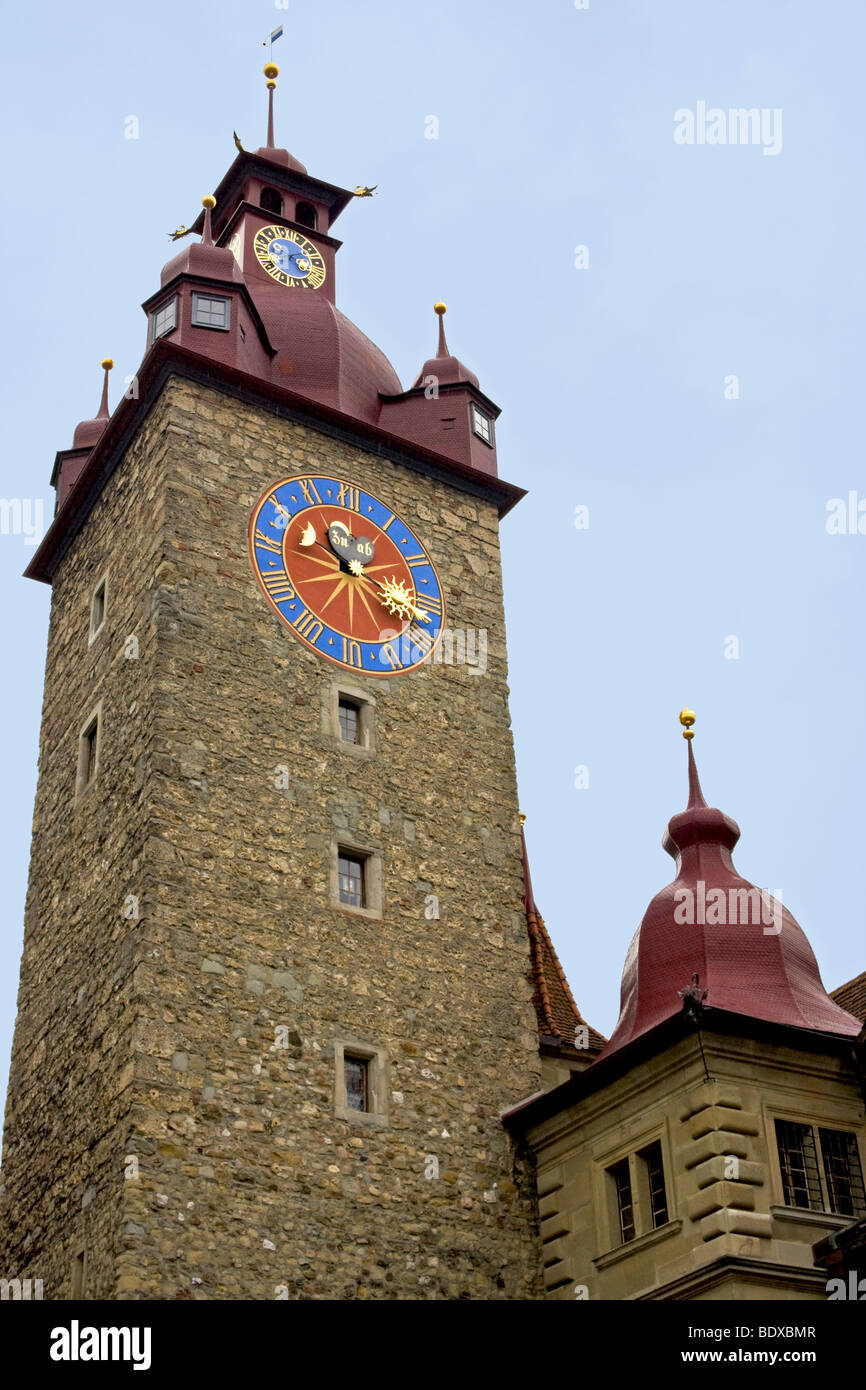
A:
{"x": 748, "y": 952}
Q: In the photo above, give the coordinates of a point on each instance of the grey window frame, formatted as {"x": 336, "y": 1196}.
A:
{"x": 215, "y": 299}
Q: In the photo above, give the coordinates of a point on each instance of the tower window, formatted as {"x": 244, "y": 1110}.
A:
{"x": 97, "y": 608}
{"x": 163, "y": 319}
{"x": 350, "y": 720}
{"x": 654, "y": 1176}
{"x": 271, "y": 201}
{"x": 350, "y": 870}
{"x": 305, "y": 213}
{"x": 842, "y": 1172}
{"x": 482, "y": 425}
{"x": 211, "y": 312}
{"x": 89, "y": 741}
{"x": 621, "y": 1182}
{"x": 77, "y": 1275}
{"x": 356, "y": 1075}
{"x": 801, "y": 1185}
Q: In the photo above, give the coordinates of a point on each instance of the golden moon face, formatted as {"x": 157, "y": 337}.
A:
{"x": 308, "y": 536}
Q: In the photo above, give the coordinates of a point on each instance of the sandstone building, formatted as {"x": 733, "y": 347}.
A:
{"x": 283, "y": 973}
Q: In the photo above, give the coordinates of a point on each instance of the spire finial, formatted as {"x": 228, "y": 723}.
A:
{"x": 271, "y": 73}
{"x": 102, "y": 413}
{"x": 441, "y": 309}
{"x": 687, "y": 719}
{"x": 208, "y": 202}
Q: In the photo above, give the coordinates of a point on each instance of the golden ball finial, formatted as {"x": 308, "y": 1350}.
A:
{"x": 271, "y": 70}
{"x": 440, "y": 308}
{"x": 522, "y": 818}
{"x": 208, "y": 201}
{"x": 270, "y": 86}
{"x": 687, "y": 719}
{"x": 107, "y": 363}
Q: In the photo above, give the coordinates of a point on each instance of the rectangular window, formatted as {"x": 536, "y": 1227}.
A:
{"x": 89, "y": 753}
{"x": 356, "y": 1073}
{"x": 163, "y": 319}
{"x": 842, "y": 1172}
{"x": 77, "y": 1278}
{"x": 654, "y": 1172}
{"x": 350, "y": 872}
{"x": 350, "y": 721}
{"x": 482, "y": 425}
{"x": 801, "y": 1185}
{"x": 97, "y": 609}
{"x": 621, "y": 1179}
{"x": 210, "y": 312}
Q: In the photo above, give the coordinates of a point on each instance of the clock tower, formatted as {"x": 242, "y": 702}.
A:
{"x": 277, "y": 984}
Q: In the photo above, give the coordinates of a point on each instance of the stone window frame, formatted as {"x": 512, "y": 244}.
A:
{"x": 378, "y": 1080}
{"x": 83, "y": 783}
{"x": 608, "y": 1232}
{"x": 811, "y": 1119}
{"x": 366, "y": 745}
{"x": 373, "y": 877}
{"x": 96, "y": 629}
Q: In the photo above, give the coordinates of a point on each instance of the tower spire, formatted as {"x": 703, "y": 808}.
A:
{"x": 272, "y": 72}
{"x": 102, "y": 412}
{"x": 441, "y": 309}
{"x": 696, "y": 796}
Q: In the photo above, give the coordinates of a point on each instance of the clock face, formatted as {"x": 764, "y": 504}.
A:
{"x": 289, "y": 258}
{"x": 348, "y": 577}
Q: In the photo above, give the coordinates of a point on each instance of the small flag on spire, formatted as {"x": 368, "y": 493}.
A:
{"x": 276, "y": 34}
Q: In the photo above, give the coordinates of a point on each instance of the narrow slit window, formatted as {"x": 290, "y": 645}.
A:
{"x": 350, "y": 872}
{"x": 801, "y": 1185}
{"x": 356, "y": 1073}
{"x": 77, "y": 1277}
{"x": 651, "y": 1157}
{"x": 97, "y": 609}
{"x": 842, "y": 1172}
{"x": 621, "y": 1179}
{"x": 89, "y": 756}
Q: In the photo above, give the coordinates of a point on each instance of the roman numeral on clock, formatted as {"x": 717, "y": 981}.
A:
{"x": 277, "y": 584}
{"x": 351, "y": 652}
{"x": 308, "y": 625}
{"x": 429, "y": 603}
{"x": 349, "y": 497}
{"x": 308, "y": 488}
{"x": 267, "y": 543}
{"x": 413, "y": 561}
{"x": 421, "y": 639}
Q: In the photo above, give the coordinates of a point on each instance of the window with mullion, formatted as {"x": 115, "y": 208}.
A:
{"x": 842, "y": 1172}
{"x": 350, "y": 872}
{"x": 801, "y": 1184}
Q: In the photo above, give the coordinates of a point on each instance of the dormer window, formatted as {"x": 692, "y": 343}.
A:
{"x": 482, "y": 425}
{"x": 210, "y": 311}
{"x": 271, "y": 201}
{"x": 163, "y": 319}
{"x": 305, "y": 213}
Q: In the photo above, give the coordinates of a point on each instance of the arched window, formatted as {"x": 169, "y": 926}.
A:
{"x": 271, "y": 201}
{"x": 305, "y": 213}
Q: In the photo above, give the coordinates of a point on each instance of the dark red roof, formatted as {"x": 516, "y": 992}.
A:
{"x": 759, "y": 964}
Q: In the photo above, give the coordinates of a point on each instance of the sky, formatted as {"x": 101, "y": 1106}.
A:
{"x": 673, "y": 332}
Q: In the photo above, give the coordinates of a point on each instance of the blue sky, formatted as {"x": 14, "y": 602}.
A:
{"x": 707, "y": 515}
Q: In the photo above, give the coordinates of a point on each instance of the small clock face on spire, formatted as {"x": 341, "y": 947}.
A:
{"x": 289, "y": 258}
{"x": 347, "y": 575}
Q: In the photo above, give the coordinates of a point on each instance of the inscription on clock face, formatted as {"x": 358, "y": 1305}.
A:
{"x": 289, "y": 258}
{"x": 347, "y": 575}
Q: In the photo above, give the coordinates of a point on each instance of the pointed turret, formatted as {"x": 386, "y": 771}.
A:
{"x": 69, "y": 462}
{"x": 713, "y": 940}
{"x": 444, "y": 368}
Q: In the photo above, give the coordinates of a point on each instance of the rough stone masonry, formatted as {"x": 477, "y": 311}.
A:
{"x": 187, "y": 980}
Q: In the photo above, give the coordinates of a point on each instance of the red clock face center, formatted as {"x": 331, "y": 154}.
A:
{"x": 351, "y": 604}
